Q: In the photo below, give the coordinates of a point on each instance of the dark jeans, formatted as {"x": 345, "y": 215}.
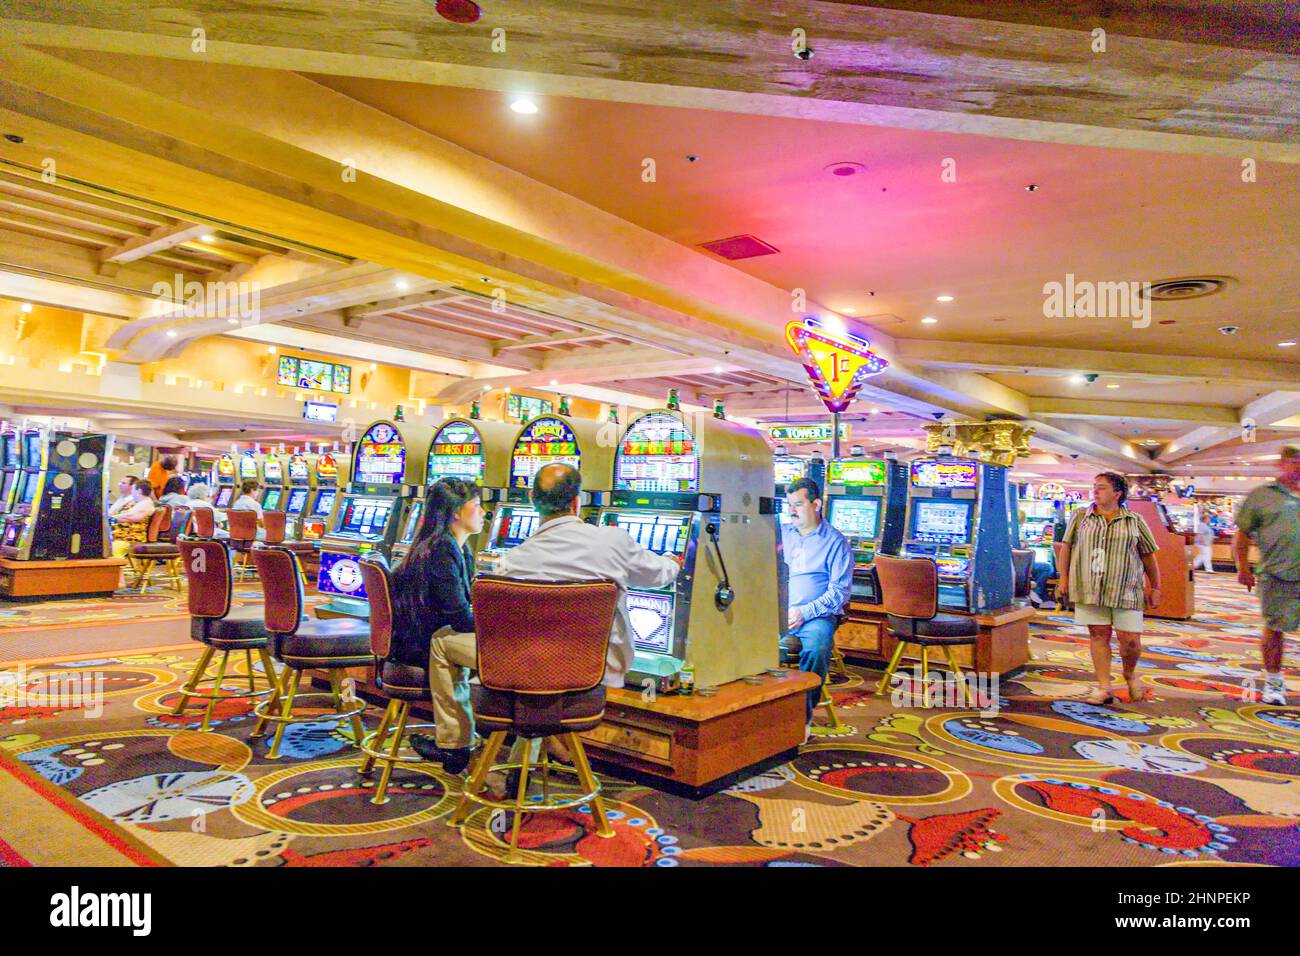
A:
{"x": 816, "y": 640}
{"x": 1041, "y": 571}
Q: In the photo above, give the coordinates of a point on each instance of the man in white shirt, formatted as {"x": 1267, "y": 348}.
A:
{"x": 563, "y": 548}
{"x": 125, "y": 499}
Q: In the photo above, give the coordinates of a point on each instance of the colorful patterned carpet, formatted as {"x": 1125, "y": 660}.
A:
{"x": 1197, "y": 775}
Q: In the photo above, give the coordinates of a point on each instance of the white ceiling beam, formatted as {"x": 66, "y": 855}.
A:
{"x": 1261, "y": 413}
{"x": 431, "y": 294}
{"x": 1138, "y": 411}
{"x": 158, "y": 240}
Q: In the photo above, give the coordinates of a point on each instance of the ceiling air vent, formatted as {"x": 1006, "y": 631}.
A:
{"x": 739, "y": 247}
{"x": 1196, "y": 287}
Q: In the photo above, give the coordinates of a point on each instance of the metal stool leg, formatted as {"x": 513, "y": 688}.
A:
{"x": 925, "y": 676}
{"x": 286, "y": 710}
{"x": 272, "y": 681}
{"x": 403, "y": 711}
{"x": 216, "y": 691}
{"x": 520, "y": 796}
{"x": 958, "y": 676}
{"x": 893, "y": 666}
{"x": 336, "y": 689}
{"x": 248, "y": 662}
{"x": 838, "y": 667}
{"x": 200, "y": 668}
{"x": 381, "y": 734}
{"x": 826, "y": 702}
{"x": 588, "y": 781}
{"x": 478, "y": 779}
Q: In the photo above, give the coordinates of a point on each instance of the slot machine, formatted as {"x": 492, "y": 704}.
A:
{"x": 322, "y": 503}
{"x": 62, "y": 510}
{"x": 547, "y": 439}
{"x": 866, "y": 501}
{"x": 296, "y": 494}
{"x": 473, "y": 450}
{"x": 249, "y": 467}
{"x": 957, "y": 515}
{"x": 699, "y": 488}
{"x": 223, "y": 482}
{"x": 1176, "y": 558}
{"x": 11, "y": 463}
{"x": 199, "y": 471}
{"x": 387, "y": 477}
{"x": 1034, "y": 517}
{"x": 786, "y": 470}
{"x": 273, "y": 498}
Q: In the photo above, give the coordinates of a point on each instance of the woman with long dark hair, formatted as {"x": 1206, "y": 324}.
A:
{"x": 1105, "y": 554}
{"x": 431, "y": 597}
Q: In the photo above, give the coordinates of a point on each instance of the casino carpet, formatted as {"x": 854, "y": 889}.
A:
{"x": 1196, "y": 776}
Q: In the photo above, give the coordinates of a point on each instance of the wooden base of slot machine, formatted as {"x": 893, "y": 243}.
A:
{"x": 1175, "y": 559}
{"x": 1002, "y": 647}
{"x": 59, "y": 580}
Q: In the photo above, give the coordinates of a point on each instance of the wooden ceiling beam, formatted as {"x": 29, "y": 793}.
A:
{"x": 158, "y": 240}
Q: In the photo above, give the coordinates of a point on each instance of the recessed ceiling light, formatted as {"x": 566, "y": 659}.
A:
{"x": 554, "y": 382}
{"x": 1112, "y": 385}
{"x": 717, "y": 369}
{"x": 208, "y": 237}
{"x": 851, "y": 311}
{"x": 1077, "y": 380}
{"x": 523, "y": 105}
{"x": 943, "y": 298}
{"x": 929, "y": 320}
{"x": 403, "y": 284}
{"x": 233, "y": 321}
{"x": 1286, "y": 345}
{"x": 1031, "y": 188}
{"x": 27, "y": 307}
{"x": 875, "y": 411}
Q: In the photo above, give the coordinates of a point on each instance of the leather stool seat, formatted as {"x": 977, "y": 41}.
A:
{"x": 242, "y": 628}
{"x": 940, "y": 629}
{"x": 158, "y": 549}
{"x": 538, "y": 715}
{"x": 404, "y": 682}
{"x": 299, "y": 547}
{"x": 333, "y": 643}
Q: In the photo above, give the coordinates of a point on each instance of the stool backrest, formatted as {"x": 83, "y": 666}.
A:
{"x": 378, "y": 584}
{"x": 203, "y": 523}
{"x": 159, "y": 522}
{"x": 273, "y": 522}
{"x": 243, "y": 524}
{"x": 208, "y": 572}
{"x": 542, "y": 637}
{"x": 909, "y": 586}
{"x": 180, "y": 521}
{"x": 281, "y": 586}
{"x": 1022, "y": 563}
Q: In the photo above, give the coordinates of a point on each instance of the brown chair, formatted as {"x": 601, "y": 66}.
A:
{"x": 203, "y": 523}
{"x": 1022, "y": 566}
{"x": 213, "y": 624}
{"x": 910, "y": 593}
{"x": 331, "y": 646}
{"x": 400, "y": 683}
{"x": 243, "y": 535}
{"x": 155, "y": 550}
{"x": 275, "y": 524}
{"x": 544, "y": 681}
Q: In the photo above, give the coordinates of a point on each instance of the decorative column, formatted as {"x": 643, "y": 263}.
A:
{"x": 996, "y": 442}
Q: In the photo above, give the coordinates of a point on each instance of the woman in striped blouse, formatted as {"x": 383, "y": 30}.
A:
{"x": 1107, "y": 549}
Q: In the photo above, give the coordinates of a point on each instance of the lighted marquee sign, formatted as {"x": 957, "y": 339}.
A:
{"x": 380, "y": 457}
{"x": 542, "y": 442}
{"x": 797, "y": 434}
{"x": 1052, "y": 490}
{"x": 837, "y": 365}
{"x": 327, "y": 468}
{"x": 943, "y": 473}
{"x": 857, "y": 472}
{"x": 457, "y": 453}
{"x": 298, "y": 470}
{"x": 247, "y": 467}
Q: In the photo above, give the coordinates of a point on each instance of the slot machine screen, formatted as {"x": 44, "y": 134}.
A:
{"x": 12, "y": 453}
{"x": 29, "y": 490}
{"x": 272, "y": 472}
{"x": 542, "y": 442}
{"x": 789, "y": 469}
{"x": 856, "y": 517}
{"x": 297, "y": 500}
{"x": 10, "y": 478}
{"x": 457, "y": 453}
{"x": 248, "y": 467}
{"x": 412, "y": 522}
{"x": 651, "y": 616}
{"x": 272, "y": 500}
{"x": 298, "y": 470}
{"x": 381, "y": 457}
{"x": 657, "y": 454}
{"x": 224, "y": 494}
{"x": 516, "y": 525}
{"x": 340, "y": 574}
{"x": 941, "y": 473}
{"x": 939, "y": 521}
{"x": 856, "y": 472}
{"x": 660, "y": 533}
{"x": 32, "y": 445}
{"x": 366, "y": 516}
{"x": 324, "y": 504}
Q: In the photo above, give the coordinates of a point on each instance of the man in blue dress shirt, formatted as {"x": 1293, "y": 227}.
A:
{"x": 820, "y": 564}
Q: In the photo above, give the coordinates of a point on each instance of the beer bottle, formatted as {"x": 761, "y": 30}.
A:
{"x": 686, "y": 680}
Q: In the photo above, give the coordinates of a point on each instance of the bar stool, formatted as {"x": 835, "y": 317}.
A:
{"x": 401, "y": 683}
{"x": 910, "y": 592}
{"x": 541, "y": 682}
{"x": 330, "y": 645}
{"x": 1022, "y": 566}
{"x": 242, "y": 525}
{"x": 275, "y": 524}
{"x": 213, "y": 624}
{"x": 836, "y": 665}
{"x": 155, "y": 550}
{"x": 203, "y": 523}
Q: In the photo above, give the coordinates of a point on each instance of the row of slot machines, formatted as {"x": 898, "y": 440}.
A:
{"x": 954, "y": 511}
{"x": 698, "y": 487}
{"x": 304, "y": 486}
{"x": 53, "y": 492}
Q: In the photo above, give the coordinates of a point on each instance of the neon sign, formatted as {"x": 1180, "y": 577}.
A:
{"x": 837, "y": 365}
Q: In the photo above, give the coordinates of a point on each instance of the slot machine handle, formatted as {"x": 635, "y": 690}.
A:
{"x": 724, "y": 595}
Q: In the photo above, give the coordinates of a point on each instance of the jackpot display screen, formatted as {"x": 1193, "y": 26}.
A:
{"x": 32, "y": 451}
{"x": 340, "y": 574}
{"x": 542, "y": 442}
{"x": 366, "y": 517}
{"x": 516, "y": 525}
{"x": 657, "y": 454}
{"x": 324, "y": 503}
{"x": 457, "y": 453}
{"x": 850, "y": 471}
{"x": 660, "y": 533}
{"x": 380, "y": 457}
{"x": 651, "y": 616}
{"x": 789, "y": 469}
{"x": 247, "y": 467}
{"x": 941, "y": 521}
{"x": 942, "y": 473}
{"x": 272, "y": 472}
{"x": 297, "y": 500}
{"x": 856, "y": 517}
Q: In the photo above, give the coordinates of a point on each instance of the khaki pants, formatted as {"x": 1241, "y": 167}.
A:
{"x": 451, "y": 655}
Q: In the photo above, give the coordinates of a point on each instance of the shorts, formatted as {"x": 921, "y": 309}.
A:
{"x": 1280, "y": 602}
{"x": 1121, "y": 619}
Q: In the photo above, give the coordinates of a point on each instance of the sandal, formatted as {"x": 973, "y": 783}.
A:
{"x": 1100, "y": 697}
{"x": 1137, "y": 694}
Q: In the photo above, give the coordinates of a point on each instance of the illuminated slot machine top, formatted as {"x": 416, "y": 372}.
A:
{"x": 273, "y": 479}
{"x": 473, "y": 450}
{"x": 320, "y": 502}
{"x": 11, "y": 457}
{"x": 690, "y": 489}
{"x": 248, "y": 467}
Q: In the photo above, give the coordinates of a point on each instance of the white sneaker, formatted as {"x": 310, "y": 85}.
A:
{"x": 1273, "y": 696}
{"x": 1034, "y": 599}
{"x": 807, "y": 732}
{"x": 1048, "y": 606}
